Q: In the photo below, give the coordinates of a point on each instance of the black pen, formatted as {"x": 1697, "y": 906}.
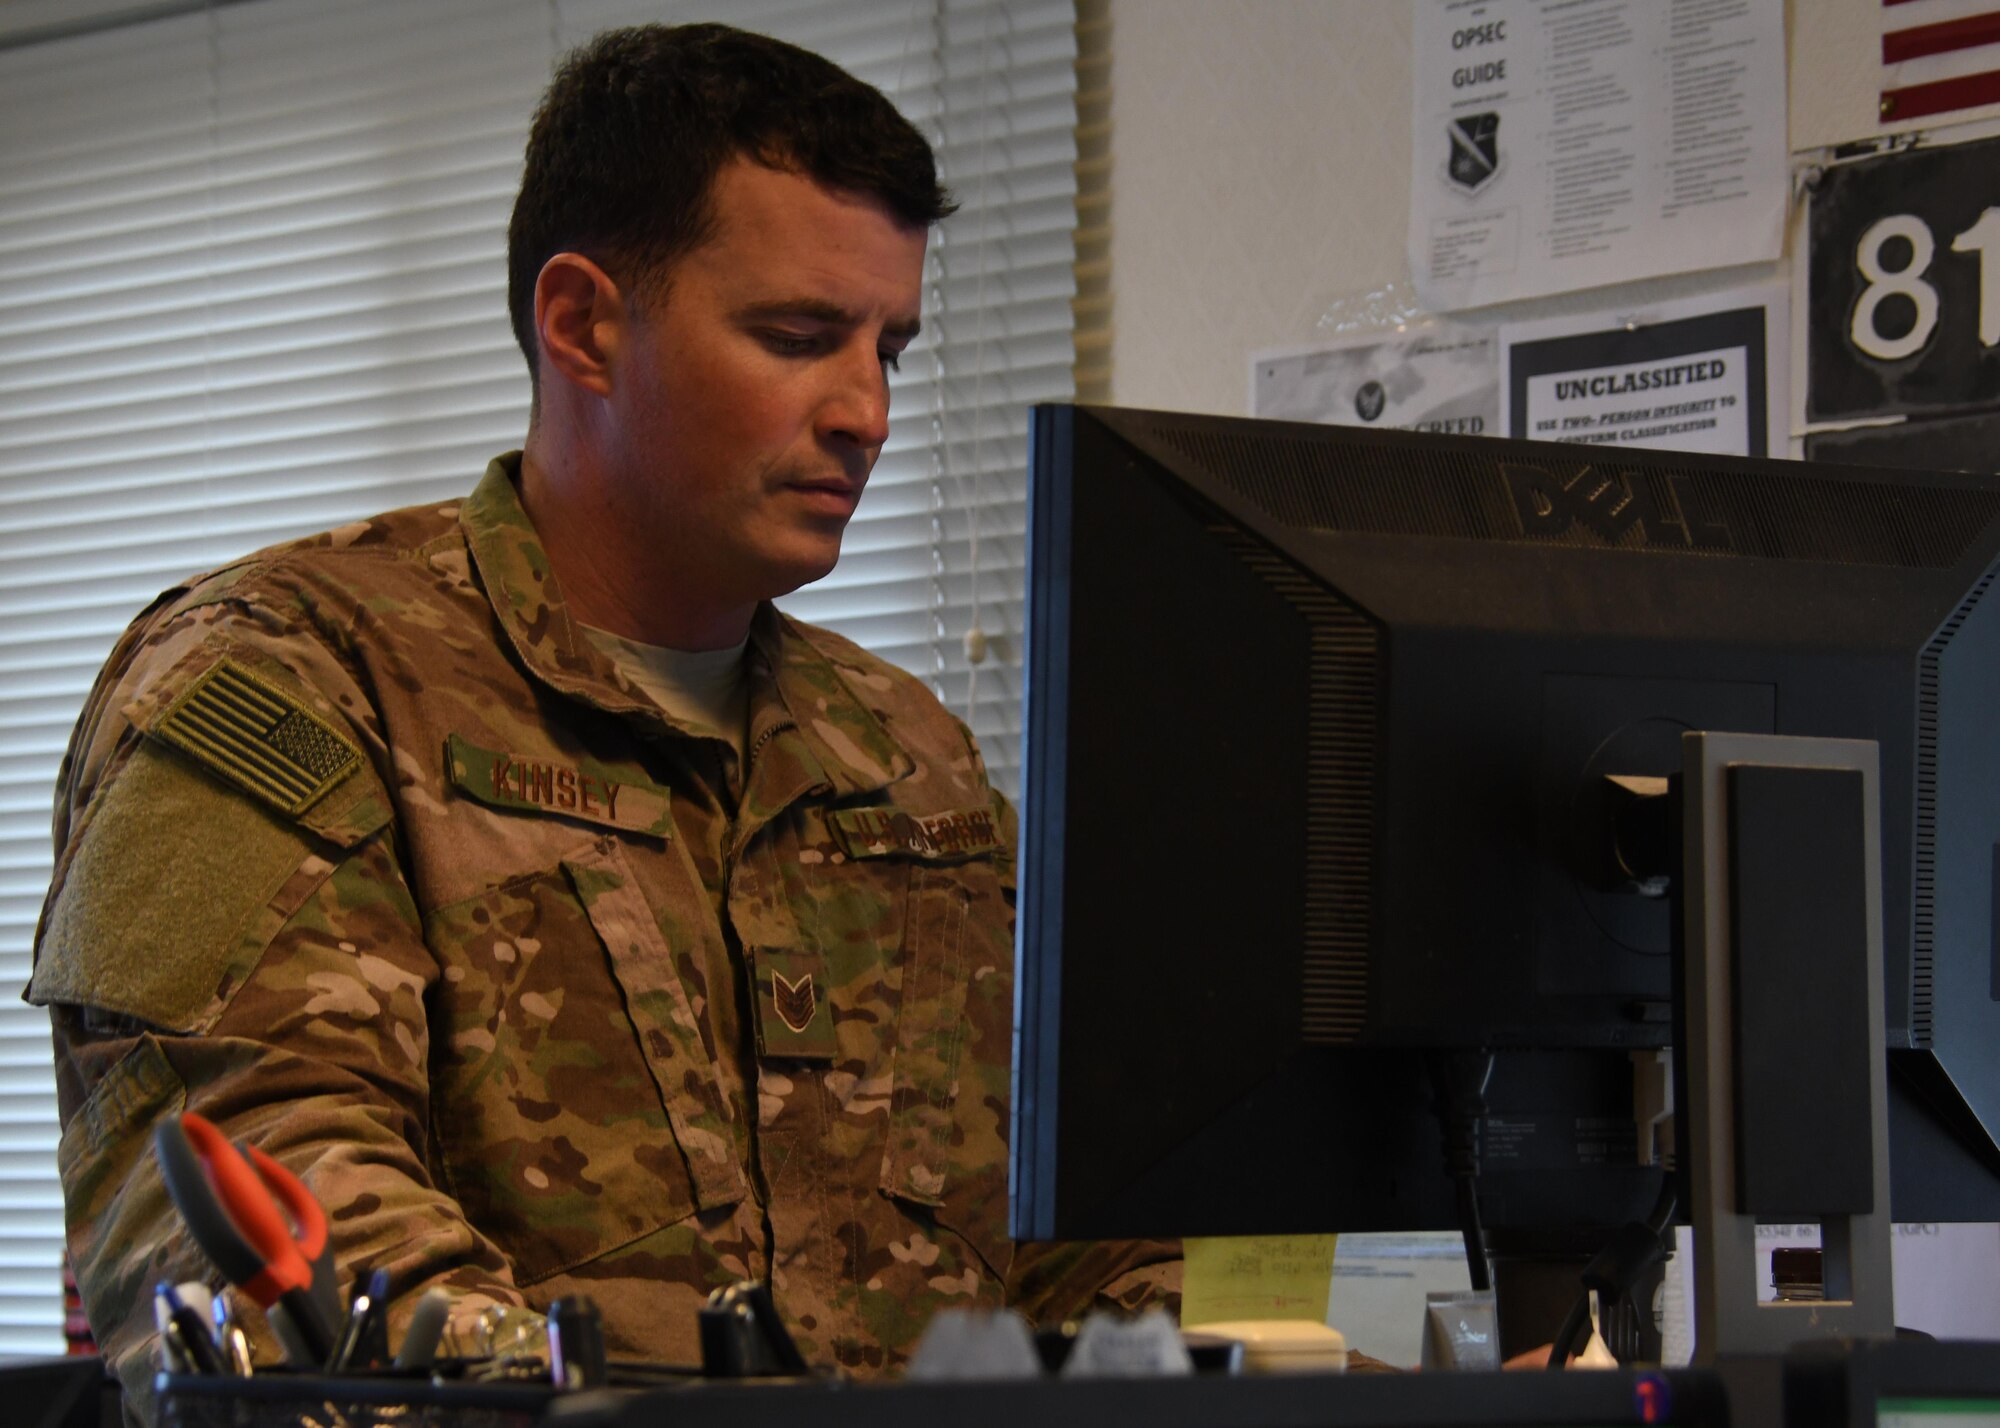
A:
{"x": 576, "y": 1343}
{"x": 173, "y": 1358}
{"x": 366, "y": 1325}
{"x": 350, "y": 1334}
{"x": 372, "y": 1340}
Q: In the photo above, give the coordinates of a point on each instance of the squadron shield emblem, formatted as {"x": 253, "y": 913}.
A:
{"x": 1474, "y": 160}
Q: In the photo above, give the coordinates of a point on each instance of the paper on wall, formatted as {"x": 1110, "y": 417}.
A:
{"x": 1706, "y": 374}
{"x": 1559, "y": 146}
{"x": 1443, "y": 379}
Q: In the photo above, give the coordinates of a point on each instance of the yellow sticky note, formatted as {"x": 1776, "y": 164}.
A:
{"x": 1256, "y": 1277}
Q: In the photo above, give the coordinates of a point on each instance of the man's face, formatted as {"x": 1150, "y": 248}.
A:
{"x": 752, "y": 397}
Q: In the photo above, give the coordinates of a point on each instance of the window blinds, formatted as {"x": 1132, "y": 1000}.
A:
{"x": 252, "y": 285}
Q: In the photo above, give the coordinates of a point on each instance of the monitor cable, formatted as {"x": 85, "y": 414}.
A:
{"x": 1458, "y": 1097}
{"x": 1633, "y": 1250}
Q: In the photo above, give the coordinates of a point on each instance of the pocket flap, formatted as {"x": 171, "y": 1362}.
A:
{"x": 669, "y": 1033}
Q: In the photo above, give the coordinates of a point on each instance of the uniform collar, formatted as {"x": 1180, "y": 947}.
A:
{"x": 793, "y": 686}
{"x": 839, "y": 731}
{"x": 526, "y": 599}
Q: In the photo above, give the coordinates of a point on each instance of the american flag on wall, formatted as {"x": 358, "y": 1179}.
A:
{"x": 1938, "y": 56}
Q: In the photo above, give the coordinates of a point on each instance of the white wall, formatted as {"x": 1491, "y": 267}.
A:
{"x": 1260, "y": 154}
{"x": 1259, "y": 174}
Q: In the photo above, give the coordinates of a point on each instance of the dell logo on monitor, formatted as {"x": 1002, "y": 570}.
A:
{"x": 1661, "y": 509}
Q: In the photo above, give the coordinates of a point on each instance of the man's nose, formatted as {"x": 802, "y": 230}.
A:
{"x": 857, "y": 410}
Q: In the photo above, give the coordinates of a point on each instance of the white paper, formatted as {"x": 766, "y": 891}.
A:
{"x": 1706, "y": 373}
{"x": 1561, "y": 145}
{"x": 1443, "y": 380}
{"x": 1673, "y": 1310}
{"x": 1946, "y": 1280}
{"x": 1379, "y": 1284}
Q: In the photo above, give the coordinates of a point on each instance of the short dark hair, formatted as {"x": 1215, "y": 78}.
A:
{"x": 626, "y": 144}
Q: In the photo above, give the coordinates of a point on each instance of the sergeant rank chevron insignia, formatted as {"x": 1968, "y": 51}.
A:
{"x": 793, "y": 1019}
{"x": 795, "y": 1000}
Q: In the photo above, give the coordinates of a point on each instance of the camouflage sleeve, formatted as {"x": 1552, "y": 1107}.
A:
{"x": 206, "y": 947}
{"x": 1052, "y": 1282}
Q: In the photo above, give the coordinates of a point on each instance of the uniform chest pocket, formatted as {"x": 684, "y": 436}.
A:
{"x": 948, "y": 1109}
{"x": 575, "y": 1102}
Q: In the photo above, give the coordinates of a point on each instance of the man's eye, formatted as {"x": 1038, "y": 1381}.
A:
{"x": 790, "y": 344}
{"x": 891, "y": 361}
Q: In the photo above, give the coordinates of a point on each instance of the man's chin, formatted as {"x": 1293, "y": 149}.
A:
{"x": 796, "y": 574}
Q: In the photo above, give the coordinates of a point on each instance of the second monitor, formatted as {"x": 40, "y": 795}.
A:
{"x": 1321, "y": 724}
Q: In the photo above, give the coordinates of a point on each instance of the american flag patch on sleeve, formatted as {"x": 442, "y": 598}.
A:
{"x": 257, "y": 736}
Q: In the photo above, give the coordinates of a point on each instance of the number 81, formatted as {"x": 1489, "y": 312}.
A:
{"x": 1982, "y": 238}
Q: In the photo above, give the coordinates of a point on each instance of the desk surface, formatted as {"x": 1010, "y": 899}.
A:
{"x": 1824, "y": 1385}
{"x": 1600, "y": 1400}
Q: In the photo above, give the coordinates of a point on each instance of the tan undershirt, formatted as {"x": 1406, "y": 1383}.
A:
{"x": 707, "y": 690}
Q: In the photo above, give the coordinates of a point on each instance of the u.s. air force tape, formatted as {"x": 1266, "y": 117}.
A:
{"x": 258, "y": 736}
{"x": 549, "y": 784}
{"x": 890, "y": 832}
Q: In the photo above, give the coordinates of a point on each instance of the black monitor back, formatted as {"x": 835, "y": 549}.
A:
{"x": 1318, "y": 721}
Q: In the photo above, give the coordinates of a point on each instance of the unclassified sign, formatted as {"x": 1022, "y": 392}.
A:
{"x": 1694, "y": 382}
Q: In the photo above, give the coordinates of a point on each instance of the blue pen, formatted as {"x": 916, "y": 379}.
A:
{"x": 187, "y": 1334}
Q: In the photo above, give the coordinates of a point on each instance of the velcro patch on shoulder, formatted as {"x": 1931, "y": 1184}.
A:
{"x": 257, "y": 736}
{"x": 170, "y": 895}
{"x": 548, "y": 784}
{"x": 893, "y": 833}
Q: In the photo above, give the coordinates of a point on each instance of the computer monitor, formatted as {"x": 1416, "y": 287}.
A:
{"x": 1899, "y": 1383}
{"x": 1318, "y": 728}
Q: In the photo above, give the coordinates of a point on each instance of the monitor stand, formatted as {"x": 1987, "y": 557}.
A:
{"x": 1783, "y": 1103}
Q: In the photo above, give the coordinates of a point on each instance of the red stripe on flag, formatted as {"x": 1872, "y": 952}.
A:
{"x": 1941, "y": 38}
{"x": 1941, "y": 97}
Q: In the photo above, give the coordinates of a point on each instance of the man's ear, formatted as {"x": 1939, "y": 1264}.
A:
{"x": 580, "y": 318}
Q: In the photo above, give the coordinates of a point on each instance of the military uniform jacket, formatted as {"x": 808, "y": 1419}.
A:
{"x": 365, "y": 853}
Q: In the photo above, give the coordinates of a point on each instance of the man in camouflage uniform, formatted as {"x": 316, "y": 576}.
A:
{"x": 392, "y": 851}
